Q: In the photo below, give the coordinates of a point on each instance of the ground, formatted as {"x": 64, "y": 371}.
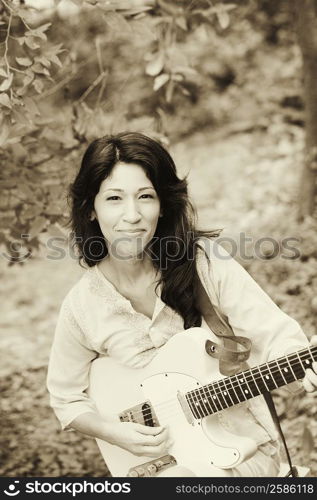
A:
{"x": 240, "y": 181}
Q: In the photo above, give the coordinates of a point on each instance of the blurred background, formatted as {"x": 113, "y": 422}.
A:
{"x": 231, "y": 90}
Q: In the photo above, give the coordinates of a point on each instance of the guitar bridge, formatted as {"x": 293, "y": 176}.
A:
{"x": 142, "y": 413}
{"x": 152, "y": 468}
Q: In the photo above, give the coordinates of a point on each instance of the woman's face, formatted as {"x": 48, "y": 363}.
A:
{"x": 127, "y": 209}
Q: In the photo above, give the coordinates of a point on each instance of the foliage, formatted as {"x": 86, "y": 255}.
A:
{"x": 38, "y": 146}
{"x": 28, "y": 140}
{"x": 163, "y": 68}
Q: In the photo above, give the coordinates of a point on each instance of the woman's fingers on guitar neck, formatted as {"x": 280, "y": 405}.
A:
{"x": 310, "y": 380}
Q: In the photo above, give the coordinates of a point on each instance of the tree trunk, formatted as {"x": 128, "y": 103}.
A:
{"x": 306, "y": 14}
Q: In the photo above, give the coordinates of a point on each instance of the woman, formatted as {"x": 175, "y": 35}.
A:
{"x": 135, "y": 231}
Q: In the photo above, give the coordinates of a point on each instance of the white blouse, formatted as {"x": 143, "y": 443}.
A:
{"x": 96, "y": 319}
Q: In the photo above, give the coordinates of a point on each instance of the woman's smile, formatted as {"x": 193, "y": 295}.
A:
{"x": 127, "y": 208}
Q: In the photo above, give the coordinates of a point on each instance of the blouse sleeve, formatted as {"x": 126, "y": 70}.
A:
{"x": 68, "y": 369}
{"x": 250, "y": 311}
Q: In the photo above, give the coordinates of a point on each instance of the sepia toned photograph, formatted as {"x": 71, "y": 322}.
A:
{"x": 158, "y": 240}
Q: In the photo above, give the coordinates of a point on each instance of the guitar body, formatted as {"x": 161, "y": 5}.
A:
{"x": 180, "y": 366}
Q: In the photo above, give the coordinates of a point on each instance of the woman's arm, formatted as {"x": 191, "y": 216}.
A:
{"x": 250, "y": 311}
{"x": 68, "y": 369}
{"x": 67, "y": 382}
{"x": 136, "y": 438}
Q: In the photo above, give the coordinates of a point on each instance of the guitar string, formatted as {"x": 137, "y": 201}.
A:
{"x": 226, "y": 379}
{"x": 246, "y": 380}
{"x": 264, "y": 366}
{"x": 216, "y": 393}
{"x": 145, "y": 412}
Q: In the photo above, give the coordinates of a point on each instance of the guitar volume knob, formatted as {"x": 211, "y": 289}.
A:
{"x": 152, "y": 468}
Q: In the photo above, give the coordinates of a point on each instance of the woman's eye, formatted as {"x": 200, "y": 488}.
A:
{"x": 116, "y": 198}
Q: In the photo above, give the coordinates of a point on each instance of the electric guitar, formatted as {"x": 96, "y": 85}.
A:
{"x": 176, "y": 389}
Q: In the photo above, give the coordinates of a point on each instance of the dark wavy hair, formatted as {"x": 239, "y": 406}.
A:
{"x": 173, "y": 247}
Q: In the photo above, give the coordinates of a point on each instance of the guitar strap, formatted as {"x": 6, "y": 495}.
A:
{"x": 233, "y": 355}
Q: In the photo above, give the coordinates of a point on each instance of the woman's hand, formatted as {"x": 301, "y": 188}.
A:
{"x": 310, "y": 380}
{"x": 139, "y": 439}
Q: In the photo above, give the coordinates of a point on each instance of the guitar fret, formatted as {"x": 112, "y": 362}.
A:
{"x": 311, "y": 354}
{"x": 233, "y": 389}
{"x": 287, "y": 371}
{"x": 247, "y": 392}
{"x": 306, "y": 359}
{"x": 204, "y": 401}
{"x": 289, "y": 364}
{"x": 226, "y": 393}
{"x": 255, "y": 382}
{"x": 211, "y": 401}
{"x": 271, "y": 376}
{"x": 279, "y": 377}
{"x": 301, "y": 363}
{"x": 249, "y": 382}
{"x": 215, "y": 399}
{"x": 220, "y": 394}
{"x": 197, "y": 405}
{"x": 240, "y": 389}
{"x": 261, "y": 379}
{"x": 192, "y": 406}
{"x": 229, "y": 391}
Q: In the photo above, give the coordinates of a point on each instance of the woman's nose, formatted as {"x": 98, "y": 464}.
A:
{"x": 131, "y": 213}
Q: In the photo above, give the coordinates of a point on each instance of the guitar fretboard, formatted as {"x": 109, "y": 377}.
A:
{"x": 229, "y": 391}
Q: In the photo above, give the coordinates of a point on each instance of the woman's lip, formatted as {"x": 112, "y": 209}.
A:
{"x": 132, "y": 232}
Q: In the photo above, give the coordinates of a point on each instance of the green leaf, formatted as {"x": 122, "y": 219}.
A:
{"x": 160, "y": 81}
{"x": 5, "y": 101}
{"x": 23, "y": 61}
{"x": 155, "y": 66}
{"x": 6, "y": 84}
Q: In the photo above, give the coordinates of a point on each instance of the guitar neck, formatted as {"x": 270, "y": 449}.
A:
{"x": 224, "y": 393}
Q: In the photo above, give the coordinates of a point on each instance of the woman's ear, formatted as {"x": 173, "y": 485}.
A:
{"x": 93, "y": 216}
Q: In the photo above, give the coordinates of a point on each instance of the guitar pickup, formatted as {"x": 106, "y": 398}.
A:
{"x": 142, "y": 413}
{"x": 152, "y": 468}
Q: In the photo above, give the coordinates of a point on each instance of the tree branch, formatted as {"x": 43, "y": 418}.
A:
{"x": 7, "y": 44}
